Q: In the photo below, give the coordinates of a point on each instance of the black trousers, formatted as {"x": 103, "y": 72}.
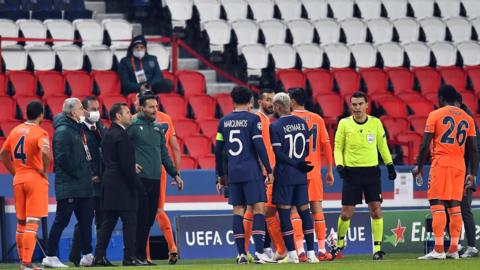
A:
{"x": 75, "y": 252}
{"x": 146, "y": 213}
{"x": 110, "y": 218}
{"x": 467, "y": 216}
{"x": 83, "y": 210}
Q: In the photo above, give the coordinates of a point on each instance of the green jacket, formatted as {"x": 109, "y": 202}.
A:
{"x": 150, "y": 148}
{"x": 73, "y": 176}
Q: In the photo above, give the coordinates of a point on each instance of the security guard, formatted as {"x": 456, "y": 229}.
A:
{"x": 358, "y": 140}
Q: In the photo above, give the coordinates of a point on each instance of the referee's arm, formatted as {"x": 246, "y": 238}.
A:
{"x": 382, "y": 144}
{"x": 339, "y": 144}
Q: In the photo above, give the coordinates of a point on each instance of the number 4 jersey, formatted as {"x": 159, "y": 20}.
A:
{"x": 451, "y": 126}
{"x": 25, "y": 143}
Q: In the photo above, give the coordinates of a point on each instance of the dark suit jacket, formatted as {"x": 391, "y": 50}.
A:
{"x": 120, "y": 181}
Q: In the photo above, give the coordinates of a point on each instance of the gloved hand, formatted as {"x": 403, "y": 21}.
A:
{"x": 341, "y": 171}
{"x": 304, "y": 167}
{"x": 392, "y": 174}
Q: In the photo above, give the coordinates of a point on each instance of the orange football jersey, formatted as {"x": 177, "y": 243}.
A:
{"x": 266, "y": 138}
{"x": 25, "y": 143}
{"x": 165, "y": 119}
{"x": 451, "y": 127}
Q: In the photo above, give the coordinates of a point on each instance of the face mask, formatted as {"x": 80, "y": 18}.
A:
{"x": 139, "y": 54}
{"x": 94, "y": 116}
{"x": 82, "y": 119}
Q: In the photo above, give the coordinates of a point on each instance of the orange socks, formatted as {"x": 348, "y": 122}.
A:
{"x": 29, "y": 241}
{"x": 455, "y": 215}
{"x": 166, "y": 227}
{"x": 275, "y": 232}
{"x": 247, "y": 226}
{"x": 320, "y": 230}
{"x": 439, "y": 221}
{"x": 298, "y": 232}
{"x": 19, "y": 239}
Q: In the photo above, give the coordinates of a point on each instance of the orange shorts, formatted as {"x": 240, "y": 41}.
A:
{"x": 269, "y": 196}
{"x": 31, "y": 199}
{"x": 163, "y": 189}
{"x": 446, "y": 183}
{"x": 315, "y": 190}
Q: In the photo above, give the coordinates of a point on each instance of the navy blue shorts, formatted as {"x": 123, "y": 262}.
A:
{"x": 295, "y": 195}
{"x": 247, "y": 193}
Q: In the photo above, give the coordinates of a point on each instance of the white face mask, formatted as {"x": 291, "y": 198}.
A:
{"x": 94, "y": 116}
{"x": 82, "y": 119}
{"x": 139, "y": 54}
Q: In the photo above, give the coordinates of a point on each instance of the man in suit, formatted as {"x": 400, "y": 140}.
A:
{"x": 120, "y": 183}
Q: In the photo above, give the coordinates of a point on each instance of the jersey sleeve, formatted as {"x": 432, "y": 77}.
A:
{"x": 430, "y": 125}
{"x": 43, "y": 141}
{"x": 382, "y": 143}
{"x": 171, "y": 130}
{"x": 471, "y": 128}
{"x": 219, "y": 136}
{"x": 256, "y": 128}
{"x": 322, "y": 131}
{"x": 339, "y": 143}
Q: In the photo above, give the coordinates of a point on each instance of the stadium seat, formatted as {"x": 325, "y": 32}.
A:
{"x": 421, "y": 107}
{"x": 22, "y": 83}
{"x": 42, "y": 56}
{"x": 32, "y": 29}
{"x": 365, "y": 55}
{"x": 188, "y": 163}
{"x": 472, "y": 7}
{"x": 449, "y": 8}
{"x": 22, "y": 103}
{"x": 394, "y": 108}
{"x": 418, "y": 123}
{"x": 392, "y": 54}
{"x": 208, "y": 127}
{"x": 120, "y": 32}
{"x": 355, "y": 30}
{"x": 181, "y": 11}
{"x": 162, "y": 54}
{"x": 174, "y": 105}
{"x": 207, "y": 162}
{"x": 290, "y": 78}
{"x": 320, "y": 81}
{"x": 331, "y": 105}
{"x": 71, "y": 57}
{"x": 191, "y": 82}
{"x": 473, "y": 75}
{"x": 262, "y": 9}
{"x": 369, "y": 9}
{"x": 409, "y": 96}
{"x": 381, "y": 30}
{"x": 219, "y": 34}
{"x": 401, "y": 79}
{"x": 342, "y": 9}
{"x": 15, "y": 57}
{"x": 434, "y": 28}
{"x": 108, "y": 102}
{"x": 339, "y": 55}
{"x": 246, "y": 32}
{"x": 347, "y": 80}
{"x": 446, "y": 56}
{"x": 79, "y": 83}
{"x": 47, "y": 125}
{"x": 328, "y": 30}
{"x": 408, "y": 29}
{"x": 375, "y": 80}
{"x": 198, "y": 145}
{"x": 410, "y": 143}
{"x": 8, "y": 108}
{"x": 428, "y": 78}
{"x": 235, "y": 9}
{"x": 274, "y": 31}
{"x": 256, "y": 58}
{"x": 422, "y": 8}
{"x": 396, "y": 9}
{"x": 316, "y": 9}
{"x": 203, "y": 106}
{"x": 311, "y": 55}
{"x": 224, "y": 102}
{"x": 208, "y": 10}
{"x": 394, "y": 126}
{"x": 302, "y": 31}
{"x": 186, "y": 127}
{"x": 51, "y": 83}
{"x": 454, "y": 76}
{"x": 432, "y": 97}
{"x": 8, "y": 29}
{"x": 418, "y": 53}
{"x": 289, "y": 9}
{"x": 284, "y": 56}
{"x": 54, "y": 105}
{"x": 60, "y": 29}
{"x": 8, "y": 125}
{"x": 91, "y": 32}
{"x": 460, "y": 28}
{"x": 3, "y": 85}
{"x": 100, "y": 57}
{"x": 107, "y": 83}
{"x": 470, "y": 100}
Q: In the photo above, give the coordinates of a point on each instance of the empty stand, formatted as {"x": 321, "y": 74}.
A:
{"x": 219, "y": 34}
{"x": 375, "y": 80}
{"x": 420, "y": 107}
{"x": 418, "y": 124}
{"x": 54, "y": 105}
{"x": 256, "y": 58}
{"x": 275, "y": 31}
{"x": 302, "y": 31}
{"x": 460, "y": 28}
{"x": 369, "y": 9}
{"x": 235, "y": 9}
{"x": 107, "y": 83}
{"x": 410, "y": 142}
{"x": 225, "y": 103}
{"x": 381, "y": 30}
{"x": 8, "y": 29}
{"x": 355, "y": 30}
{"x": 71, "y": 57}
{"x": 291, "y": 78}
{"x": 394, "y": 126}
{"x": 328, "y": 30}
{"x": 320, "y": 81}
{"x": 342, "y": 9}
{"x": 174, "y": 105}
{"x": 186, "y": 127}
{"x": 188, "y": 163}
{"x": 162, "y": 54}
{"x": 392, "y": 54}
{"x": 208, "y": 127}
{"x": 198, "y": 146}
{"x": 8, "y": 125}
{"x": 472, "y": 7}
{"x": 8, "y": 108}
{"x": 339, "y": 55}
{"x": 51, "y": 83}
{"x": 119, "y": 31}
{"x": 60, "y": 29}
{"x": 42, "y": 56}
{"x": 396, "y": 9}
{"x": 449, "y": 8}
{"x": 207, "y": 162}
{"x": 207, "y": 9}
{"x": 91, "y": 32}
{"x": 289, "y": 9}
{"x": 203, "y": 106}
{"x": 22, "y": 84}
{"x": 181, "y": 11}
{"x": 79, "y": 83}
{"x": 316, "y": 9}
{"x": 32, "y": 29}
{"x": 435, "y": 29}
{"x": 408, "y": 29}
{"x": 394, "y": 108}
{"x": 422, "y": 8}
{"x": 331, "y": 105}
{"x": 100, "y": 57}
{"x": 191, "y": 82}
{"x": 262, "y": 9}
{"x": 284, "y": 56}
{"x": 365, "y": 55}
{"x": 246, "y": 32}
{"x": 311, "y": 55}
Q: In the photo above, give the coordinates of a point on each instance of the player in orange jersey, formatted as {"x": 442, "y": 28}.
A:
{"x": 318, "y": 140}
{"x": 452, "y": 132}
{"x": 162, "y": 218}
{"x": 26, "y": 155}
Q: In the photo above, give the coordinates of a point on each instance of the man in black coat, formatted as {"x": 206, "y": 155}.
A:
{"x": 120, "y": 183}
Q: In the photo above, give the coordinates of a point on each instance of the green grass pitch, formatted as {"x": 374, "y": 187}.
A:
{"x": 391, "y": 262}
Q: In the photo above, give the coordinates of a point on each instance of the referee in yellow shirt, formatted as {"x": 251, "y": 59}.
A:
{"x": 358, "y": 140}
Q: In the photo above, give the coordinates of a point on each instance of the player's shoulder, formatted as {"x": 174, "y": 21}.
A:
{"x": 163, "y": 117}
{"x": 345, "y": 120}
{"x": 375, "y": 120}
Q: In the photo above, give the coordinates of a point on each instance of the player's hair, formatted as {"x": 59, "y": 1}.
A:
{"x": 298, "y": 94}
{"x": 282, "y": 99}
{"x": 144, "y": 98}
{"x": 116, "y": 108}
{"x": 69, "y": 105}
{"x": 447, "y": 93}
{"x": 241, "y": 95}
{"x": 34, "y": 110}
{"x": 459, "y": 98}
{"x": 87, "y": 99}
{"x": 359, "y": 94}
{"x": 265, "y": 91}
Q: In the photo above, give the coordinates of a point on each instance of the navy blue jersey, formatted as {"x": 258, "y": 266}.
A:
{"x": 239, "y": 134}
{"x": 289, "y": 136}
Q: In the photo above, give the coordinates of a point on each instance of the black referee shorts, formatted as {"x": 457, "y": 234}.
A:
{"x": 361, "y": 182}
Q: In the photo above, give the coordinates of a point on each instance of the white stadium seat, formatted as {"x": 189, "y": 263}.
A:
{"x": 328, "y": 30}
{"x": 460, "y": 28}
{"x": 43, "y": 57}
{"x": 422, "y": 8}
{"x": 392, "y": 54}
{"x": 8, "y": 29}
{"x": 408, "y": 29}
{"x": 246, "y": 32}
{"x": 355, "y": 30}
{"x": 208, "y": 9}
{"x": 342, "y": 9}
{"x": 71, "y": 57}
{"x": 365, "y": 54}
{"x": 118, "y": 30}
{"x": 476, "y": 24}
{"x": 60, "y": 29}
{"x": 256, "y": 56}
{"x": 472, "y": 7}
{"x": 275, "y": 31}
{"x": 302, "y": 31}
{"x": 262, "y": 9}
{"x": 434, "y": 28}
{"x": 90, "y": 31}
{"x": 470, "y": 52}
{"x": 219, "y": 34}
{"x": 449, "y": 8}
{"x": 316, "y": 9}
{"x": 311, "y": 55}
{"x": 445, "y": 53}
{"x": 396, "y": 9}
{"x": 338, "y": 54}
{"x": 121, "y": 52}
{"x": 162, "y": 54}
{"x": 235, "y": 9}
{"x": 32, "y": 29}
{"x": 381, "y": 30}
{"x": 370, "y": 9}
{"x": 181, "y": 11}
{"x": 418, "y": 53}
{"x": 100, "y": 56}
{"x": 15, "y": 57}
{"x": 289, "y": 9}
{"x": 284, "y": 56}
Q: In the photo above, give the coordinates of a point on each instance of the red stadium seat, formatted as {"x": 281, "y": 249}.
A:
{"x": 420, "y": 107}
{"x": 8, "y": 108}
{"x": 401, "y": 79}
{"x": 378, "y": 98}
{"x": 375, "y": 79}
{"x": 291, "y": 78}
{"x": 225, "y": 103}
{"x": 3, "y": 170}
{"x": 188, "y": 163}
{"x": 22, "y": 103}
{"x": 331, "y": 105}
{"x": 181, "y": 144}
{"x": 109, "y": 101}
{"x": 198, "y": 145}
{"x": 48, "y": 127}
{"x": 454, "y": 76}
{"x": 203, "y": 106}
{"x": 207, "y": 162}
{"x": 348, "y": 81}
{"x": 408, "y": 96}
{"x": 470, "y": 100}
{"x": 107, "y": 123}
{"x": 191, "y": 83}
{"x": 208, "y": 127}
{"x": 3, "y": 85}
{"x": 7, "y": 125}
{"x": 394, "y": 126}
{"x": 433, "y": 97}
{"x": 79, "y": 83}
{"x": 418, "y": 123}
{"x": 477, "y": 119}
{"x": 428, "y": 78}
{"x": 320, "y": 81}
{"x": 168, "y": 75}
{"x": 174, "y": 105}
{"x": 107, "y": 83}
{"x": 51, "y": 83}
{"x": 473, "y": 74}
{"x": 410, "y": 142}
{"x": 55, "y": 105}
{"x": 394, "y": 108}
{"x": 23, "y": 83}
{"x": 186, "y": 127}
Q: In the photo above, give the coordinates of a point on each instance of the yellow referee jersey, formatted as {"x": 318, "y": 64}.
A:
{"x": 357, "y": 145}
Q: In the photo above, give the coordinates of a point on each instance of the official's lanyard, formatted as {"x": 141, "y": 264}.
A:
{"x": 135, "y": 66}
{"x": 85, "y": 146}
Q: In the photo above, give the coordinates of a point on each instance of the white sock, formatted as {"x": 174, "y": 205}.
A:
{"x": 292, "y": 254}
{"x": 310, "y": 253}
{"x": 301, "y": 250}
{"x": 322, "y": 250}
